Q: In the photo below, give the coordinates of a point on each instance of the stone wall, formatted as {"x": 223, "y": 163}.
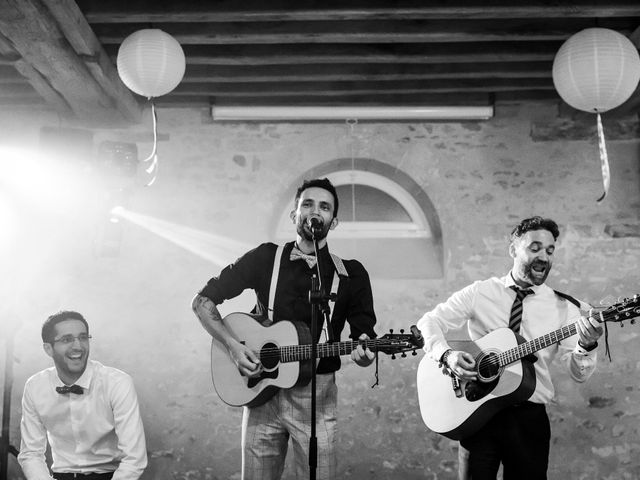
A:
{"x": 224, "y": 181}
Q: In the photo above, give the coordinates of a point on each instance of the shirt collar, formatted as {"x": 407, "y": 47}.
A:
{"x": 84, "y": 381}
{"x": 323, "y": 252}
{"x": 509, "y": 282}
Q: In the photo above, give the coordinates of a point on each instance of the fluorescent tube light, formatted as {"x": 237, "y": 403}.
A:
{"x": 256, "y": 113}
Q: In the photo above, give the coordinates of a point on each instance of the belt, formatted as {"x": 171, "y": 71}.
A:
{"x": 82, "y": 476}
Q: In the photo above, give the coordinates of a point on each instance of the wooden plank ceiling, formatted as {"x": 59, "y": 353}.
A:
{"x": 61, "y": 54}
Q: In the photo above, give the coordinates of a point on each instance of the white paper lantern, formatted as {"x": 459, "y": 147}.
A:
{"x": 597, "y": 69}
{"x": 151, "y": 62}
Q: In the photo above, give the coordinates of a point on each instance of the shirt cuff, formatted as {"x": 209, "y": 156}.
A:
{"x": 583, "y": 351}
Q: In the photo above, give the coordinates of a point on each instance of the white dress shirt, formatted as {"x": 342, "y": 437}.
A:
{"x": 100, "y": 431}
{"x": 485, "y": 306}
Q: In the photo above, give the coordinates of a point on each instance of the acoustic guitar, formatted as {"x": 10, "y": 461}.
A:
{"x": 285, "y": 349}
{"x": 456, "y": 408}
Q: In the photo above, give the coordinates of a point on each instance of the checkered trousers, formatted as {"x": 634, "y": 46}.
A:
{"x": 266, "y": 430}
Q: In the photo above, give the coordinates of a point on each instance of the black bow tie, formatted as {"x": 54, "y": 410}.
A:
{"x": 70, "y": 389}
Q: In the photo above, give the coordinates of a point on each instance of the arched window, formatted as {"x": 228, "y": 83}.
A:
{"x": 382, "y": 222}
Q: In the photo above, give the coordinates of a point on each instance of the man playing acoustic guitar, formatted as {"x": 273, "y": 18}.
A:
{"x": 515, "y": 435}
{"x": 267, "y": 427}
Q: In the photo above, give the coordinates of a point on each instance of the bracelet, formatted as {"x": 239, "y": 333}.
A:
{"x": 586, "y": 349}
{"x": 445, "y": 357}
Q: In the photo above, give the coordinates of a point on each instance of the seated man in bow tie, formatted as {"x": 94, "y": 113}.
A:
{"x": 281, "y": 278}
{"x": 88, "y": 412}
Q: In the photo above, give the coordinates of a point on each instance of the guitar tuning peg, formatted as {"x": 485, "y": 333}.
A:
{"x": 633, "y": 321}
{"x": 404, "y": 355}
{"x": 393, "y": 356}
{"x": 391, "y": 330}
{"x": 414, "y": 353}
{"x": 402, "y": 330}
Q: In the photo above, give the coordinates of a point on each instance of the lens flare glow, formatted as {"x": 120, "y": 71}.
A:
{"x": 40, "y": 180}
{"x": 214, "y": 248}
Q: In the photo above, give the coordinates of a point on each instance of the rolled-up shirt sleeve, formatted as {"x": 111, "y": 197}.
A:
{"x": 33, "y": 441}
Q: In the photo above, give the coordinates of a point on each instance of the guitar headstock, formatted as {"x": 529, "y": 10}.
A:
{"x": 394, "y": 343}
{"x": 626, "y": 309}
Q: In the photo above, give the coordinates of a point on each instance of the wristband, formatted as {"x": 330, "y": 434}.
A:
{"x": 445, "y": 357}
{"x": 586, "y": 349}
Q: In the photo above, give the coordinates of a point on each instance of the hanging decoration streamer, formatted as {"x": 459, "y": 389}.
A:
{"x": 604, "y": 160}
{"x": 152, "y": 169}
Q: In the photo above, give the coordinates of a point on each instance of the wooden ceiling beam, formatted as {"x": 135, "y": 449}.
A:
{"x": 140, "y": 11}
{"x": 352, "y": 32}
{"x": 55, "y": 65}
{"x": 88, "y": 47}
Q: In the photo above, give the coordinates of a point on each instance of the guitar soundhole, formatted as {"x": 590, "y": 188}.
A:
{"x": 269, "y": 356}
{"x": 488, "y": 367}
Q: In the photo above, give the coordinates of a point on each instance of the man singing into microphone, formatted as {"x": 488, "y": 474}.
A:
{"x": 287, "y": 270}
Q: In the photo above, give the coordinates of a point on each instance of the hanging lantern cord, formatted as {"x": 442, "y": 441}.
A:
{"x": 152, "y": 169}
{"x": 352, "y": 122}
{"x": 604, "y": 159}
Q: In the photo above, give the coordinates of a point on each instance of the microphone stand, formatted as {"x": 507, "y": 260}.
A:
{"x": 318, "y": 300}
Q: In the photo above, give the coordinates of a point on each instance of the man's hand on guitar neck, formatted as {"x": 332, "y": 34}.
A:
{"x": 461, "y": 364}
{"x": 362, "y": 357}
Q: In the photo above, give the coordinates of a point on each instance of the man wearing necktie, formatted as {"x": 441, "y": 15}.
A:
{"x": 517, "y": 436}
{"x": 86, "y": 411}
{"x": 267, "y": 428}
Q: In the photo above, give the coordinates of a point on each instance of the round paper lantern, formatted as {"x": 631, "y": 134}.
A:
{"x": 151, "y": 62}
{"x": 596, "y": 69}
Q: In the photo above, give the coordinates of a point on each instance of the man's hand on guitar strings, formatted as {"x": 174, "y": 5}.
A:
{"x": 245, "y": 359}
{"x": 462, "y": 365}
{"x": 361, "y": 356}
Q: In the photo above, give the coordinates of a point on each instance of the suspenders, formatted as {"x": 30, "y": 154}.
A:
{"x": 339, "y": 271}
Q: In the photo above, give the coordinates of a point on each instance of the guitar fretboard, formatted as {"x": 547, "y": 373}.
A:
{"x": 295, "y": 353}
{"x": 527, "y": 348}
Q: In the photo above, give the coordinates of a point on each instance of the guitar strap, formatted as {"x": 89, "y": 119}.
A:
{"x": 586, "y": 307}
{"x": 339, "y": 271}
{"x": 274, "y": 282}
{"x": 581, "y": 305}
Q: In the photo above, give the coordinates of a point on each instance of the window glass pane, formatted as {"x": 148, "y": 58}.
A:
{"x": 371, "y": 205}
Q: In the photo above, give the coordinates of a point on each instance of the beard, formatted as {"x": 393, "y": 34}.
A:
{"x": 304, "y": 231}
{"x": 537, "y": 275}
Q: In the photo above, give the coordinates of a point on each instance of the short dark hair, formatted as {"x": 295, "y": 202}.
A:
{"x": 49, "y": 325}
{"x": 535, "y": 223}
{"x": 324, "y": 183}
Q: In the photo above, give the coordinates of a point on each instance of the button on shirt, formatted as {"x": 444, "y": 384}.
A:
{"x": 99, "y": 431}
{"x": 485, "y": 306}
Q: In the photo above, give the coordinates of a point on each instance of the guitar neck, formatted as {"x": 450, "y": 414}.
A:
{"x": 527, "y": 348}
{"x": 296, "y": 353}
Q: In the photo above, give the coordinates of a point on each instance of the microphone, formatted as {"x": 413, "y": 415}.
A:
{"x": 417, "y": 336}
{"x": 314, "y": 224}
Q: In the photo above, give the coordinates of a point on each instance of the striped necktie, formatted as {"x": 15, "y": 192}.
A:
{"x": 516, "y": 309}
